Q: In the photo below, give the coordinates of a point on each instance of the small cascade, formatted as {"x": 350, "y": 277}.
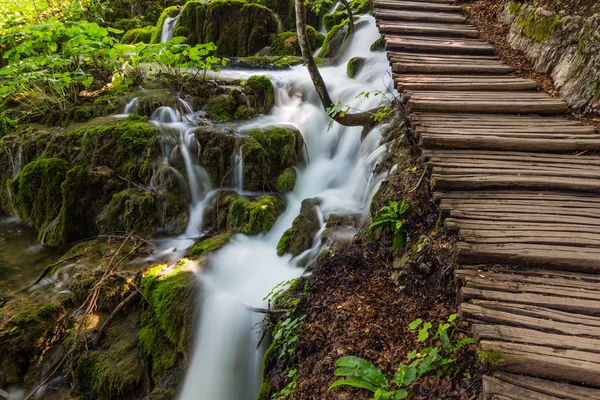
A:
{"x": 280, "y": 27}
{"x": 131, "y": 106}
{"x": 168, "y": 28}
{"x": 238, "y": 170}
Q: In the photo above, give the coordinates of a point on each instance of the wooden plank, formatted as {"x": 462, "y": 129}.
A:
{"x": 549, "y": 107}
{"x": 515, "y": 276}
{"x": 563, "y": 390}
{"x": 449, "y": 45}
{"x": 512, "y": 155}
{"x": 398, "y": 15}
{"x": 470, "y": 142}
{"x": 517, "y": 195}
{"x": 439, "y": 57}
{"x": 488, "y": 181}
{"x": 532, "y": 236}
{"x": 545, "y": 171}
{"x": 475, "y": 282}
{"x": 428, "y": 29}
{"x": 399, "y": 68}
{"x": 416, "y": 5}
{"x": 496, "y": 389}
{"x": 463, "y": 83}
{"x": 546, "y": 362}
{"x": 485, "y": 314}
{"x": 454, "y": 224}
{"x": 561, "y": 257}
{"x": 516, "y": 210}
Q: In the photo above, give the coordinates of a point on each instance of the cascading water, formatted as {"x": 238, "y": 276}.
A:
{"x": 168, "y": 28}
{"x": 225, "y": 363}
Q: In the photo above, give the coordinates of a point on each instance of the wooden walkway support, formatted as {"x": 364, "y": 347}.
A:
{"x": 515, "y": 182}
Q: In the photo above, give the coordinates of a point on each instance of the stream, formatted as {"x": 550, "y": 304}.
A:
{"x": 225, "y": 363}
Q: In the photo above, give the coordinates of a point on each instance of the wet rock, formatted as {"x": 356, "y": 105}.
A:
{"x": 286, "y": 181}
{"x": 286, "y": 43}
{"x": 217, "y": 145}
{"x": 138, "y": 35}
{"x": 354, "y": 66}
{"x": 260, "y": 92}
{"x": 300, "y": 236}
{"x": 221, "y": 108}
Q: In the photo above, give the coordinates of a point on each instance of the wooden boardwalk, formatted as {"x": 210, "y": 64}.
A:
{"x": 516, "y": 183}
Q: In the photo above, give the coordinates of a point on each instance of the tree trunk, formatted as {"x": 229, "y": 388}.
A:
{"x": 350, "y": 17}
{"x": 359, "y": 119}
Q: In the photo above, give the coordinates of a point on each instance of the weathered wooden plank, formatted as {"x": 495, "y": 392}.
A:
{"x": 517, "y": 195}
{"x": 512, "y": 142}
{"x": 426, "y": 44}
{"x": 546, "y": 362}
{"x": 475, "y": 282}
{"x": 455, "y": 224}
{"x": 563, "y": 390}
{"x": 463, "y": 83}
{"x": 531, "y": 236}
{"x": 416, "y": 67}
{"x": 416, "y": 5}
{"x": 548, "y": 107}
{"x": 511, "y": 155}
{"x": 549, "y": 324}
{"x": 488, "y": 181}
{"x": 496, "y": 389}
{"x": 428, "y": 29}
{"x": 398, "y": 15}
{"x": 561, "y": 257}
{"x": 515, "y": 276}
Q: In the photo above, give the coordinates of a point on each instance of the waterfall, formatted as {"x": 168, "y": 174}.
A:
{"x": 225, "y": 363}
{"x": 168, "y": 28}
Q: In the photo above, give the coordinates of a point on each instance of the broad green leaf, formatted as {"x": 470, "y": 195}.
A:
{"x": 354, "y": 382}
{"x": 415, "y": 324}
{"x": 362, "y": 369}
{"x": 451, "y": 318}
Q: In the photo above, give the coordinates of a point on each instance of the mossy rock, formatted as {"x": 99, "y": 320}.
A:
{"x": 166, "y": 13}
{"x": 238, "y": 28}
{"x": 36, "y": 194}
{"x": 254, "y": 216}
{"x": 217, "y": 211}
{"x": 108, "y": 105}
{"x": 285, "y": 9}
{"x": 354, "y": 65}
{"x": 171, "y": 294}
{"x": 300, "y": 236}
{"x": 267, "y": 152}
{"x": 25, "y": 337}
{"x": 80, "y": 114}
{"x": 286, "y": 43}
{"x": 260, "y": 92}
{"x": 113, "y": 371}
{"x": 221, "y": 108}
{"x": 378, "y": 45}
{"x": 138, "y": 35}
{"x": 266, "y": 62}
{"x": 335, "y": 41}
{"x": 535, "y": 24}
{"x": 217, "y": 146}
{"x": 209, "y": 244}
{"x": 243, "y": 112}
{"x": 147, "y": 104}
{"x": 333, "y": 19}
{"x": 130, "y": 210}
{"x": 286, "y": 181}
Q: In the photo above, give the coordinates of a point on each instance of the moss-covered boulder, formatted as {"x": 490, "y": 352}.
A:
{"x": 253, "y": 216}
{"x": 130, "y": 210}
{"x": 285, "y": 9}
{"x": 286, "y": 181}
{"x": 266, "y": 62}
{"x": 378, "y": 45}
{"x": 80, "y": 113}
{"x": 286, "y": 43}
{"x": 260, "y": 92}
{"x": 138, "y": 35}
{"x": 354, "y": 65}
{"x": 24, "y": 339}
{"x": 237, "y": 27}
{"x": 148, "y": 103}
{"x": 168, "y": 12}
{"x": 333, "y": 19}
{"x": 115, "y": 369}
{"x": 300, "y": 236}
{"x": 335, "y": 41}
{"x": 267, "y": 152}
{"x": 208, "y": 244}
{"x": 217, "y": 146}
{"x": 221, "y": 108}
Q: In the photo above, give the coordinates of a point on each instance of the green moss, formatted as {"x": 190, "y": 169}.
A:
{"x": 112, "y": 372}
{"x": 138, "y": 35}
{"x": 167, "y": 12}
{"x": 217, "y": 146}
{"x": 335, "y": 41}
{"x": 171, "y": 292}
{"x": 286, "y": 43}
{"x": 267, "y": 153}
{"x": 210, "y": 244}
{"x": 80, "y": 113}
{"x": 378, "y": 45}
{"x": 260, "y": 93}
{"x": 491, "y": 357}
{"x": 301, "y": 235}
{"x": 286, "y": 181}
{"x": 515, "y": 7}
{"x": 254, "y": 216}
{"x": 25, "y": 337}
{"x": 535, "y": 26}
{"x": 36, "y": 194}
{"x": 243, "y": 112}
{"x": 269, "y": 62}
{"x": 152, "y": 101}
{"x": 154, "y": 342}
{"x": 354, "y": 65}
{"x": 221, "y": 108}
{"x": 238, "y": 28}
{"x": 333, "y": 19}
{"x": 130, "y": 210}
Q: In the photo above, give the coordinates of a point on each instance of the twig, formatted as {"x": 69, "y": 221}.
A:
{"x": 266, "y": 310}
{"x": 49, "y": 375}
{"x": 113, "y": 315}
{"x": 418, "y": 183}
{"x": 137, "y": 185}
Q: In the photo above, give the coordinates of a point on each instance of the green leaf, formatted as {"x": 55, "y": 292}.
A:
{"x": 410, "y": 375}
{"x": 398, "y": 240}
{"x": 415, "y": 324}
{"x": 412, "y": 355}
{"x": 451, "y": 318}
{"x": 362, "y": 370}
{"x": 354, "y": 382}
{"x": 424, "y": 332}
{"x": 400, "y": 394}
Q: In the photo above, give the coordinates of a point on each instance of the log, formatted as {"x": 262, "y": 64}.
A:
{"x": 514, "y": 142}
{"x": 488, "y": 181}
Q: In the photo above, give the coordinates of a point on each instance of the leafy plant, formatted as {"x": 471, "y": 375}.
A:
{"x": 392, "y": 216}
{"x": 362, "y": 374}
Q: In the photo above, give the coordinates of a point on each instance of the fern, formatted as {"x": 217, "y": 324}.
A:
{"x": 391, "y": 215}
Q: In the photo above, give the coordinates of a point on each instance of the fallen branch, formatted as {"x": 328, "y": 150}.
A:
{"x": 418, "y": 183}
{"x": 266, "y": 310}
{"x": 114, "y": 314}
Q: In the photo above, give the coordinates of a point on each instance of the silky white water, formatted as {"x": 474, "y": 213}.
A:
{"x": 168, "y": 28}
{"x": 225, "y": 363}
